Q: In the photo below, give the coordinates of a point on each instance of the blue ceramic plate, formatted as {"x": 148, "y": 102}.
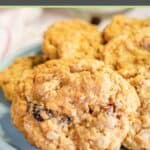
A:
{"x": 10, "y": 137}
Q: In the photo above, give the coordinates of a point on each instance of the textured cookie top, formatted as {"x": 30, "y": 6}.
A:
{"x": 129, "y": 55}
{"x": 74, "y": 104}
{"x": 142, "y": 38}
{"x": 10, "y": 76}
{"x": 121, "y": 24}
{"x": 139, "y": 135}
{"x": 71, "y": 38}
{"x": 128, "y": 52}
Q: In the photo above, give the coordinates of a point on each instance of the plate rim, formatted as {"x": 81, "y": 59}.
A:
{"x": 34, "y": 48}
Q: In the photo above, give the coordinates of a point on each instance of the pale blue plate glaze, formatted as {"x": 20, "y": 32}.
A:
{"x": 10, "y": 137}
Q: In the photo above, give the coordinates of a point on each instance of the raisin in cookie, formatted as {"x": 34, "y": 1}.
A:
{"x": 71, "y": 38}
{"x": 133, "y": 63}
{"x": 10, "y": 76}
{"x": 74, "y": 104}
{"x": 121, "y": 24}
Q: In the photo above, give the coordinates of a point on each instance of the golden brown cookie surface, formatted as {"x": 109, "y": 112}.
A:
{"x": 74, "y": 104}
{"x": 126, "y": 54}
{"x": 122, "y": 24}
{"x": 10, "y": 76}
{"x": 139, "y": 136}
{"x": 72, "y": 38}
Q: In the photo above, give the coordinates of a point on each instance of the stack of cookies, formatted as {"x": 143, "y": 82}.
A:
{"x": 87, "y": 90}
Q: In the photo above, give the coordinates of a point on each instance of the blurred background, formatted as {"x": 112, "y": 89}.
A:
{"x": 24, "y": 27}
